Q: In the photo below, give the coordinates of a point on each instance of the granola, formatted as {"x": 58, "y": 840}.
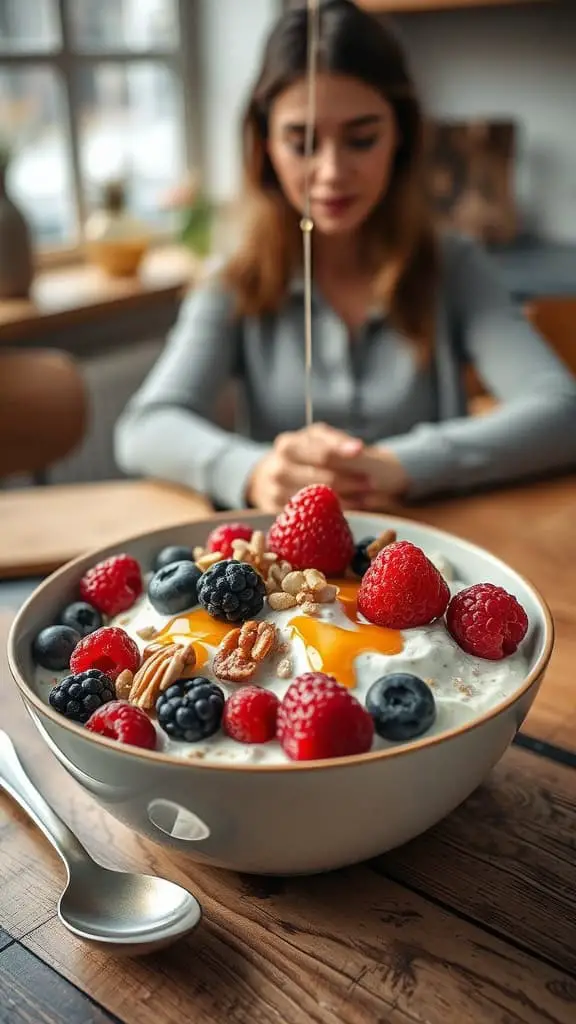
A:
{"x": 243, "y": 650}
{"x": 308, "y": 588}
{"x": 162, "y": 665}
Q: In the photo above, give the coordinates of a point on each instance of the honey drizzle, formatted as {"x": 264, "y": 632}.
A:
{"x": 306, "y": 223}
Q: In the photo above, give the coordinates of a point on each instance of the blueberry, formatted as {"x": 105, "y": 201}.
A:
{"x": 173, "y": 588}
{"x": 402, "y": 706}
{"x": 82, "y": 617}
{"x": 360, "y": 560}
{"x": 53, "y": 647}
{"x": 173, "y": 553}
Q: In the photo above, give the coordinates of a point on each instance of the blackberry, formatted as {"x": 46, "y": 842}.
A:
{"x": 53, "y": 647}
{"x": 191, "y": 709}
{"x": 360, "y": 561}
{"x": 82, "y": 617}
{"x": 173, "y": 553}
{"x": 232, "y": 591}
{"x": 77, "y": 696}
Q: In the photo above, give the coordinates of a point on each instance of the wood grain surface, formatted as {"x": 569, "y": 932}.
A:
{"x": 44, "y": 528}
{"x": 470, "y": 924}
{"x": 532, "y": 529}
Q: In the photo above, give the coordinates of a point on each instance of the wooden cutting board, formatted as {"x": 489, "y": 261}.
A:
{"x": 41, "y": 528}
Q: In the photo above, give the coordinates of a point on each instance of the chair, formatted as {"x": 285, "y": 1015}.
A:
{"x": 43, "y": 410}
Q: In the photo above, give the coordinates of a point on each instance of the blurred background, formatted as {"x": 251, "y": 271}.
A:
{"x": 119, "y": 160}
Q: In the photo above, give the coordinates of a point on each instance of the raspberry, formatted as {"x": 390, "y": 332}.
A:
{"x": 221, "y": 538}
{"x": 320, "y": 718}
{"x": 312, "y": 533}
{"x": 113, "y": 585}
{"x": 232, "y": 591}
{"x": 487, "y": 621}
{"x": 402, "y": 588}
{"x": 250, "y": 715}
{"x": 124, "y": 722}
{"x": 110, "y": 649}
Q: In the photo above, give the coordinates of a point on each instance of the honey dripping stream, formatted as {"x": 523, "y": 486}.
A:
{"x": 306, "y": 223}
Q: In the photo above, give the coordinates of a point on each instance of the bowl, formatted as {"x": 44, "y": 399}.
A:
{"x": 302, "y": 817}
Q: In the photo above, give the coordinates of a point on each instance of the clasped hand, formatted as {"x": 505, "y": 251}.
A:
{"x": 362, "y": 476}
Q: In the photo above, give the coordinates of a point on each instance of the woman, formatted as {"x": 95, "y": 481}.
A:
{"x": 398, "y": 313}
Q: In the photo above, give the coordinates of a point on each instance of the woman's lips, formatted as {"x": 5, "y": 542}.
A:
{"x": 335, "y": 207}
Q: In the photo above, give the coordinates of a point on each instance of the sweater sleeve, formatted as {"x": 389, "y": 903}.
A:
{"x": 165, "y": 431}
{"x": 534, "y": 428}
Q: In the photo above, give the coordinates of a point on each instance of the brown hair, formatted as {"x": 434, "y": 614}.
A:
{"x": 400, "y": 238}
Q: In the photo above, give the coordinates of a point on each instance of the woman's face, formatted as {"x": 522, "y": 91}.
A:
{"x": 354, "y": 145}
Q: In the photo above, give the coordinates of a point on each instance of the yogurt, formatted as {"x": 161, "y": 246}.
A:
{"x": 339, "y": 641}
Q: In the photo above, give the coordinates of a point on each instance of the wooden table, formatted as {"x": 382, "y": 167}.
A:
{"x": 472, "y": 923}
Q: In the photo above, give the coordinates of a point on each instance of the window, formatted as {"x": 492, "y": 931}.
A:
{"x": 92, "y": 90}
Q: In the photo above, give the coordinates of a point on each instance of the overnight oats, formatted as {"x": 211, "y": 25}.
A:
{"x": 299, "y": 644}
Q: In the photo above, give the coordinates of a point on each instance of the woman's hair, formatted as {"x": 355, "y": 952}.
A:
{"x": 400, "y": 241}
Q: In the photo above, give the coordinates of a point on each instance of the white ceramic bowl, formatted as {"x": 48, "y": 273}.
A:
{"x": 301, "y": 817}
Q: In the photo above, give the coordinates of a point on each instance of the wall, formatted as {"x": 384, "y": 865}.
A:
{"x": 518, "y": 61}
{"x": 232, "y": 35}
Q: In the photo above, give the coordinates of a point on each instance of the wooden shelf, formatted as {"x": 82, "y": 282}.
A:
{"x": 79, "y": 294}
{"x": 406, "y": 6}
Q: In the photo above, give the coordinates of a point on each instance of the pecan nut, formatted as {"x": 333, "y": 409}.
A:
{"x": 162, "y": 665}
{"x": 243, "y": 650}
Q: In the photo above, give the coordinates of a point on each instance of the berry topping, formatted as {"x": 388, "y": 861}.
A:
{"x": 173, "y": 588}
{"x": 232, "y": 591}
{"x": 221, "y": 538}
{"x": 250, "y": 715}
{"x": 402, "y": 706}
{"x": 320, "y": 718}
{"x": 82, "y": 617}
{"x": 402, "y": 588}
{"x": 487, "y": 621}
{"x": 312, "y": 533}
{"x": 191, "y": 709}
{"x": 173, "y": 553}
{"x": 53, "y": 647}
{"x": 125, "y": 723}
{"x": 360, "y": 559}
{"x": 109, "y": 649}
{"x": 113, "y": 585}
{"x": 79, "y": 695}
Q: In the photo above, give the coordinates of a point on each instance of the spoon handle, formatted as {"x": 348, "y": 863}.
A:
{"x": 16, "y": 782}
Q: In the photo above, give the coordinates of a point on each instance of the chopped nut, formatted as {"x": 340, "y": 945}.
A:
{"x": 314, "y": 580}
{"x": 254, "y": 553}
{"x": 327, "y": 594}
{"x": 310, "y": 607}
{"x": 124, "y": 684}
{"x": 198, "y": 552}
{"x": 276, "y": 573}
{"x": 147, "y": 632}
{"x": 208, "y": 560}
{"x": 280, "y": 602}
{"x": 293, "y": 583}
{"x": 243, "y": 650}
{"x": 284, "y": 668}
{"x": 381, "y": 542}
{"x": 162, "y": 666}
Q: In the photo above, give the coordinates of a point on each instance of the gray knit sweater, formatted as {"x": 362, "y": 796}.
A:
{"x": 372, "y": 388}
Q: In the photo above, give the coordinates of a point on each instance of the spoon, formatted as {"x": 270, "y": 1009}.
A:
{"x": 126, "y": 913}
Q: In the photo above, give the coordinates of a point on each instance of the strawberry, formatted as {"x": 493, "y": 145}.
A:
{"x": 319, "y": 718}
{"x": 112, "y": 586}
{"x": 312, "y": 533}
{"x": 487, "y": 621}
{"x": 402, "y": 588}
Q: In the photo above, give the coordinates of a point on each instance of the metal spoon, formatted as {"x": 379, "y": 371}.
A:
{"x": 126, "y": 913}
